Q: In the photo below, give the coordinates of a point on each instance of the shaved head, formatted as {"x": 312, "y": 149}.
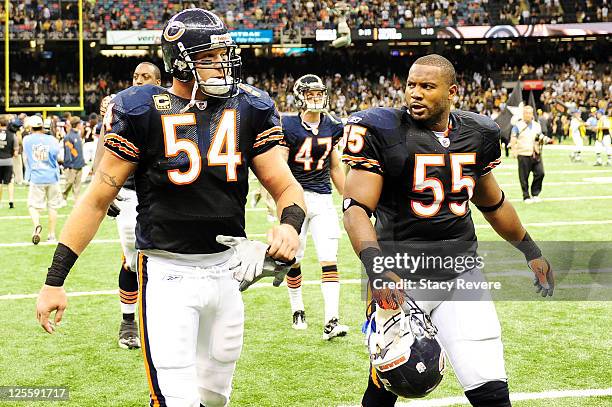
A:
{"x": 146, "y": 73}
{"x": 154, "y": 69}
{"x": 447, "y": 68}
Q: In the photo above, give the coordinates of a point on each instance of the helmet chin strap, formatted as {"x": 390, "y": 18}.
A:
{"x": 194, "y": 91}
{"x": 193, "y": 100}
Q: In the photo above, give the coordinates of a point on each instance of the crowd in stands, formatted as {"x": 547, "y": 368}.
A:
{"x": 50, "y": 19}
{"x": 59, "y": 19}
{"x": 531, "y": 12}
{"x": 352, "y": 86}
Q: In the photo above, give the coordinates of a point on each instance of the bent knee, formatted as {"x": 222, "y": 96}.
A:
{"x": 212, "y": 399}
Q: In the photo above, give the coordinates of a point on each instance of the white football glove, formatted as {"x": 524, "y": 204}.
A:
{"x": 252, "y": 262}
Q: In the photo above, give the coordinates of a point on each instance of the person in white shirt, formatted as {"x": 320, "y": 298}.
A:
{"x": 576, "y": 130}
{"x": 525, "y": 143}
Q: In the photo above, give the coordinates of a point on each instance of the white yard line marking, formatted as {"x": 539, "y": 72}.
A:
{"x": 569, "y": 198}
{"x": 560, "y": 223}
{"x": 27, "y": 217}
{"x": 113, "y": 292}
{"x": 556, "y": 172}
{"x": 588, "y": 181}
{"x": 260, "y": 235}
{"x": 70, "y": 294}
{"x": 268, "y": 284}
{"x": 44, "y": 243}
{"x": 552, "y": 199}
{"x": 544, "y": 395}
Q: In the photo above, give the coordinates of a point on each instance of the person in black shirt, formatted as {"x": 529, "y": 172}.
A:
{"x": 9, "y": 148}
{"x": 190, "y": 148}
{"x": 416, "y": 169}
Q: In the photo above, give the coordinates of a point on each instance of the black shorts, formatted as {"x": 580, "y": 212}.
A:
{"x": 6, "y": 174}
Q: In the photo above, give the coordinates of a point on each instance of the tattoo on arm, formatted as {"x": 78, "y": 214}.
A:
{"x": 108, "y": 179}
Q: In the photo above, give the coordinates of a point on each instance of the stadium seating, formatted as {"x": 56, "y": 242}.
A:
{"x": 98, "y": 16}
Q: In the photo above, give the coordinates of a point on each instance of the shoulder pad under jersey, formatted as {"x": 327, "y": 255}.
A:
{"x": 137, "y": 99}
{"x": 377, "y": 118}
{"x": 257, "y": 98}
{"x": 480, "y": 123}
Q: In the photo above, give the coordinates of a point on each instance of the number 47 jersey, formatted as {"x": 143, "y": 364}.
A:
{"x": 192, "y": 175}
{"x": 428, "y": 178}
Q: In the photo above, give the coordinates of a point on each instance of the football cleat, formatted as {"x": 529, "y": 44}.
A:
{"x": 128, "y": 335}
{"x": 36, "y": 234}
{"x": 299, "y": 320}
{"x": 333, "y": 329}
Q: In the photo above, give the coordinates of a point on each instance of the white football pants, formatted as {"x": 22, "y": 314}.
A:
{"x": 603, "y": 145}
{"x": 126, "y": 226}
{"x": 322, "y": 220}
{"x": 191, "y": 325}
{"x": 469, "y": 332}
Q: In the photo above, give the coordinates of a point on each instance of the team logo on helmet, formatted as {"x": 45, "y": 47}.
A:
{"x": 174, "y": 31}
{"x": 189, "y": 34}
{"x": 308, "y": 83}
{"x": 404, "y": 351}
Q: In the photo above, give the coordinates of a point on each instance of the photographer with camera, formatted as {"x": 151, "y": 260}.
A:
{"x": 526, "y": 143}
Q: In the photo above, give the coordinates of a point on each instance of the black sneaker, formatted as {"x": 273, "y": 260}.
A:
{"x": 299, "y": 320}
{"x": 128, "y": 335}
{"x": 333, "y": 329}
{"x": 11, "y": 205}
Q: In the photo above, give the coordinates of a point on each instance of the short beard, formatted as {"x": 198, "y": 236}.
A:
{"x": 434, "y": 119}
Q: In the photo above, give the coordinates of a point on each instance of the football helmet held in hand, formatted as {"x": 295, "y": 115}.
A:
{"x": 404, "y": 351}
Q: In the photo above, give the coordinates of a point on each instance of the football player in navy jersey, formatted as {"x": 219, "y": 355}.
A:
{"x": 311, "y": 138}
{"x": 123, "y": 209}
{"x": 190, "y": 148}
{"x": 145, "y": 73}
{"x": 416, "y": 168}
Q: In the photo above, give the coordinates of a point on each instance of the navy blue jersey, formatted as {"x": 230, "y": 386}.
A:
{"x": 310, "y": 153}
{"x": 427, "y": 180}
{"x": 192, "y": 175}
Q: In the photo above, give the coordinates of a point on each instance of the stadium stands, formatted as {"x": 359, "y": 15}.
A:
{"x": 59, "y": 19}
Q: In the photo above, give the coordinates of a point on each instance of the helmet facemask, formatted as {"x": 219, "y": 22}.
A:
{"x": 224, "y": 86}
{"x": 404, "y": 351}
{"x": 310, "y": 83}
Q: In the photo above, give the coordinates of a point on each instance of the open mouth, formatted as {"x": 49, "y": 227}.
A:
{"x": 417, "y": 108}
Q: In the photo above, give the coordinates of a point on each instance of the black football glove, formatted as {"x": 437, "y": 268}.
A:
{"x": 544, "y": 280}
{"x": 113, "y": 209}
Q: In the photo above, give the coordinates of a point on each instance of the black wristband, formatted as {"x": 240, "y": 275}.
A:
{"x": 367, "y": 257}
{"x": 293, "y": 215}
{"x": 63, "y": 260}
{"x": 493, "y": 208}
{"x": 529, "y": 248}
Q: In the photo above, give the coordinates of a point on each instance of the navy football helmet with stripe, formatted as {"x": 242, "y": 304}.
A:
{"x": 307, "y": 83}
{"x": 404, "y": 351}
{"x": 193, "y": 31}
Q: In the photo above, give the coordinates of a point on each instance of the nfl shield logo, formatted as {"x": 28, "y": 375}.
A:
{"x": 445, "y": 142}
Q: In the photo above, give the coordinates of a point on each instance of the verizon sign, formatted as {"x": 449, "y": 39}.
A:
{"x": 143, "y": 37}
